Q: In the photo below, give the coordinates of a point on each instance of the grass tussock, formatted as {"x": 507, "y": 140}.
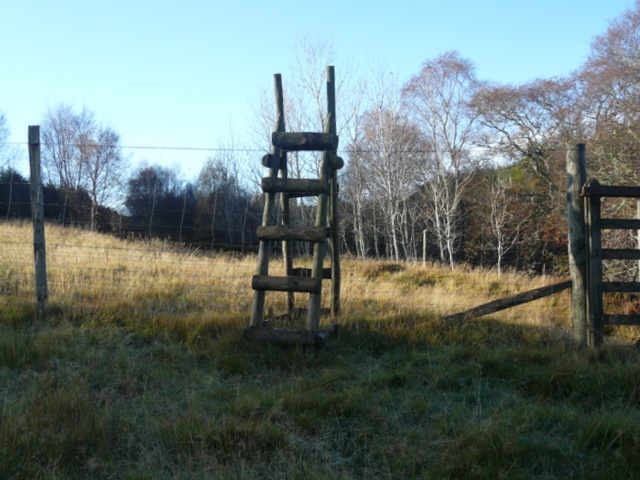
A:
{"x": 135, "y": 374}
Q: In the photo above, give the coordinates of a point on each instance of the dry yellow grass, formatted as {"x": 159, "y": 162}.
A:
{"x": 106, "y": 275}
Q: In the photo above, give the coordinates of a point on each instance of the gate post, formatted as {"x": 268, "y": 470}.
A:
{"x": 576, "y": 178}
{"x": 595, "y": 319}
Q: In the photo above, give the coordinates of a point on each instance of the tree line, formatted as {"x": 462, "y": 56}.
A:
{"x": 479, "y": 168}
{"x": 88, "y": 183}
{"x": 445, "y": 166}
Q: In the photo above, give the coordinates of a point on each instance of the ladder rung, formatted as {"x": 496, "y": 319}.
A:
{"x": 296, "y": 141}
{"x": 286, "y": 284}
{"x": 292, "y": 233}
{"x": 306, "y": 273}
{"x": 295, "y": 187}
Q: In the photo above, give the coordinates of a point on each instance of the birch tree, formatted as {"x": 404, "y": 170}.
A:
{"x": 79, "y": 154}
{"x": 438, "y": 98}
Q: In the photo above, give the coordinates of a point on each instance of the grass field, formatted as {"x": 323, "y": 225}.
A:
{"x": 139, "y": 371}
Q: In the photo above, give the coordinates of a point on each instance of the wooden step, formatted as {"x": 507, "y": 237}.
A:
{"x": 292, "y": 233}
{"x": 307, "y": 141}
{"x": 287, "y": 336}
{"x": 286, "y": 284}
{"x": 295, "y": 187}
{"x": 306, "y": 273}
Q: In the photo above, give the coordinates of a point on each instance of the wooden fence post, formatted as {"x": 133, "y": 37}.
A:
{"x": 576, "y": 178}
{"x": 37, "y": 213}
{"x": 595, "y": 319}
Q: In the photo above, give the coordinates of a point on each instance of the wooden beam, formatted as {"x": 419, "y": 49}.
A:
{"x": 619, "y": 223}
{"x": 292, "y": 233}
{"x": 621, "y": 287}
{"x": 509, "y": 302}
{"x": 313, "y": 317}
{"x": 281, "y": 336}
{"x": 271, "y": 161}
{"x": 610, "y": 191}
{"x": 286, "y": 284}
{"x": 295, "y": 186}
{"x": 622, "y": 319}
{"x": 620, "y": 254}
{"x": 330, "y": 331}
{"x": 292, "y": 337}
{"x": 595, "y": 334}
{"x": 336, "y": 162}
{"x": 257, "y": 308}
{"x": 576, "y": 178}
{"x": 37, "y": 213}
{"x": 297, "y": 141}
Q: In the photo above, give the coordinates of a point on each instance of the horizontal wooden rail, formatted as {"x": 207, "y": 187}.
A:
{"x": 295, "y": 187}
{"x": 598, "y": 190}
{"x": 620, "y": 254}
{"x": 621, "y": 287}
{"x": 619, "y": 223}
{"x": 621, "y": 320}
{"x": 509, "y": 302}
{"x": 297, "y": 141}
{"x": 292, "y": 233}
{"x": 286, "y": 284}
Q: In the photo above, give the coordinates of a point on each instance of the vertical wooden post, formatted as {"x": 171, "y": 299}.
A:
{"x": 336, "y": 275}
{"x": 576, "y": 178}
{"x": 638, "y": 237}
{"x": 37, "y": 213}
{"x": 285, "y": 209}
{"x": 595, "y": 319}
{"x": 424, "y": 246}
{"x": 313, "y": 318}
{"x": 264, "y": 249}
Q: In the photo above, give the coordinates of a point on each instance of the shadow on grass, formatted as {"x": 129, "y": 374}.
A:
{"x": 399, "y": 397}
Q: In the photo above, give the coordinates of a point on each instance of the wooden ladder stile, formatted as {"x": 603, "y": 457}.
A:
{"x": 278, "y": 184}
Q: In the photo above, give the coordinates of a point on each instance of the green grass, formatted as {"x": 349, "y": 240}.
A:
{"x": 408, "y": 398}
{"x": 139, "y": 370}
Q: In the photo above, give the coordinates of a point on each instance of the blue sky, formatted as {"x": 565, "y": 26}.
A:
{"x": 186, "y": 73}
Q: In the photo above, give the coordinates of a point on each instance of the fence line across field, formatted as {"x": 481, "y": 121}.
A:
{"x": 55, "y": 273}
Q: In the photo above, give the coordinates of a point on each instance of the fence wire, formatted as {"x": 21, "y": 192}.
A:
{"x": 98, "y": 277}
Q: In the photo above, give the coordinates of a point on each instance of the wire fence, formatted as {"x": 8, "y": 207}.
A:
{"x": 99, "y": 278}
{"x": 136, "y": 275}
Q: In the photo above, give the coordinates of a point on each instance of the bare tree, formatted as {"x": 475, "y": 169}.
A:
{"x": 64, "y": 132}
{"x": 532, "y": 122}
{"x": 7, "y": 153}
{"x": 439, "y": 98}
{"x": 104, "y": 167}
{"x": 386, "y": 160}
{"x": 504, "y": 221}
{"x": 80, "y": 154}
{"x": 610, "y": 99}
